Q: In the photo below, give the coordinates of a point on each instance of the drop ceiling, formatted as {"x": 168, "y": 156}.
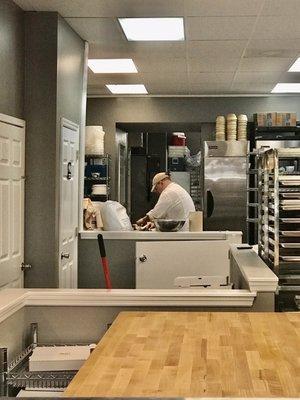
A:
{"x": 231, "y": 46}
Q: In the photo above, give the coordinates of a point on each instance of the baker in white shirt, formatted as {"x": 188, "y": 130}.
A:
{"x": 174, "y": 202}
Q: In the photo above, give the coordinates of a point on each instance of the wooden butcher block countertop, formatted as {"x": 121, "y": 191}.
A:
{"x": 189, "y": 354}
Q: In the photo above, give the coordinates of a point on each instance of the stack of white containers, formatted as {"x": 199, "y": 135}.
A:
{"x": 98, "y": 190}
{"x": 220, "y": 127}
{"x": 242, "y": 127}
{"x": 231, "y": 126}
{"x": 94, "y": 140}
{"x": 178, "y": 151}
{"x": 236, "y": 127}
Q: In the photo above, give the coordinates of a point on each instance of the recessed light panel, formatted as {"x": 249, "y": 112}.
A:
{"x": 127, "y": 89}
{"x": 286, "y": 88}
{"x": 112, "y": 66}
{"x": 153, "y": 29}
{"x": 296, "y": 66}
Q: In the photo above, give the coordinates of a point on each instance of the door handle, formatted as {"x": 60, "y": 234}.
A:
{"x": 143, "y": 258}
{"x": 25, "y": 267}
{"x": 69, "y": 171}
{"x": 210, "y": 204}
{"x": 65, "y": 255}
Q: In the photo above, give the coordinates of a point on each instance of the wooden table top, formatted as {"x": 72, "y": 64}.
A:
{"x": 189, "y": 354}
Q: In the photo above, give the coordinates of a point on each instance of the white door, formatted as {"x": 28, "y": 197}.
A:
{"x": 159, "y": 263}
{"x": 68, "y": 210}
{"x": 12, "y": 169}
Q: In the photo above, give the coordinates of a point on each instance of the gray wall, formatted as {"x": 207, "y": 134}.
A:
{"x": 40, "y": 112}
{"x": 54, "y": 89}
{"x": 110, "y": 111}
{"x": 12, "y": 59}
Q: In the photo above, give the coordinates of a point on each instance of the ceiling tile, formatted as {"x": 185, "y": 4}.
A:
{"x": 289, "y": 77}
{"x": 160, "y": 65}
{"x": 264, "y": 64}
{"x": 118, "y": 49}
{"x": 208, "y": 88}
{"x": 107, "y": 8}
{"x": 250, "y": 87}
{"x": 211, "y": 77}
{"x": 97, "y": 90}
{"x": 167, "y": 88}
{"x": 280, "y": 27}
{"x": 263, "y": 53}
{"x": 281, "y": 7}
{"x": 216, "y": 48}
{"x": 222, "y": 7}
{"x": 257, "y": 77}
{"x": 104, "y": 79}
{"x": 213, "y": 64}
{"x": 282, "y": 48}
{"x": 219, "y": 28}
{"x": 176, "y": 79}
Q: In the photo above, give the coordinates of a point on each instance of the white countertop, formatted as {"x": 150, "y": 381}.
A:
{"x": 233, "y": 236}
{"x": 255, "y": 271}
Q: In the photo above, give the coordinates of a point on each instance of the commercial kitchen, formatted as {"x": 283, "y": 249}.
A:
{"x": 150, "y": 198}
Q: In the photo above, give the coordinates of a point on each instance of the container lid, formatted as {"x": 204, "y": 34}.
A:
{"x": 179, "y": 134}
{"x": 99, "y": 186}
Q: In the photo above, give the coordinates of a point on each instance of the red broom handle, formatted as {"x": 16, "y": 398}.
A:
{"x": 106, "y": 272}
{"x": 104, "y": 262}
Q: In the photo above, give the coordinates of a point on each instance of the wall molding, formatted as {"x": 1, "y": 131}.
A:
{"x": 12, "y": 300}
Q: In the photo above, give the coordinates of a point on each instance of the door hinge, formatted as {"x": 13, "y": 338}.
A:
{"x": 24, "y": 266}
{"x": 77, "y": 155}
{"x": 76, "y": 231}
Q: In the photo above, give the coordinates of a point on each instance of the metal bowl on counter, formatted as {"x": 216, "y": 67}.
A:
{"x": 169, "y": 225}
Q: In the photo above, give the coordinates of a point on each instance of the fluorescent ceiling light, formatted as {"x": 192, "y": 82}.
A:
{"x": 153, "y": 28}
{"x": 286, "y": 88}
{"x": 112, "y": 66}
{"x": 127, "y": 89}
{"x": 296, "y": 66}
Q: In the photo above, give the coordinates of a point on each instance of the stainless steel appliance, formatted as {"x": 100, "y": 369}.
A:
{"x": 225, "y": 186}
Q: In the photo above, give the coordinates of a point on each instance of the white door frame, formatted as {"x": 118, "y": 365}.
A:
{"x": 65, "y": 123}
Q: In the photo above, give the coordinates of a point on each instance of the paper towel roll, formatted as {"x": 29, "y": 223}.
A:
{"x": 196, "y": 221}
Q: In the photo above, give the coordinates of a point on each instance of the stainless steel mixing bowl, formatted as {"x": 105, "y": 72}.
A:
{"x": 169, "y": 225}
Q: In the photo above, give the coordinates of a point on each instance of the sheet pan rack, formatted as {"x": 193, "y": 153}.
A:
{"x": 253, "y": 176}
{"x": 16, "y": 374}
{"x": 278, "y": 214}
{"x": 279, "y": 209}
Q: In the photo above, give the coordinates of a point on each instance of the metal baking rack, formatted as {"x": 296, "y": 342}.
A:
{"x": 279, "y": 215}
{"x": 16, "y": 374}
{"x": 253, "y": 177}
